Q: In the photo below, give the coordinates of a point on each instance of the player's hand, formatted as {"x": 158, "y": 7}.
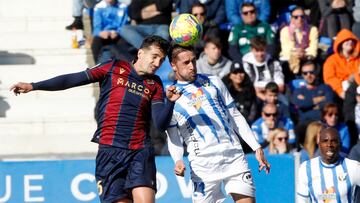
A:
{"x": 21, "y": 87}
{"x": 179, "y": 168}
{"x": 172, "y": 93}
{"x": 263, "y": 163}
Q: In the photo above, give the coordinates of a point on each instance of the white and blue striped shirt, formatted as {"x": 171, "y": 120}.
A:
{"x": 320, "y": 182}
{"x": 206, "y": 119}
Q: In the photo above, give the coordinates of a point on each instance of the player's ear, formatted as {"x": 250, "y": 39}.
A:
{"x": 140, "y": 53}
{"x": 173, "y": 66}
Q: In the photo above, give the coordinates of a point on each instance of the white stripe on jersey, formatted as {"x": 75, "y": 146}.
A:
{"x": 319, "y": 182}
{"x": 203, "y": 120}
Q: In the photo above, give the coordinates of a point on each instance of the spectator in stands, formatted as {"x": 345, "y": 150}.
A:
{"x": 77, "y": 10}
{"x": 150, "y": 17}
{"x": 261, "y": 68}
{"x": 209, "y": 29}
{"x": 357, "y": 111}
{"x": 278, "y": 142}
{"x": 356, "y": 15}
{"x": 280, "y": 12}
{"x": 241, "y": 34}
{"x": 215, "y": 10}
{"x": 330, "y": 116}
{"x": 242, "y": 90}
{"x": 336, "y": 15}
{"x": 309, "y": 146}
{"x": 299, "y": 41}
{"x": 269, "y": 121}
{"x": 272, "y": 95}
{"x": 342, "y": 67}
{"x": 109, "y": 16}
{"x": 310, "y": 99}
{"x": 211, "y": 60}
{"x": 233, "y": 12}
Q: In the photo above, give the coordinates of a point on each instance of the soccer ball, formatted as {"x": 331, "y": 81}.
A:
{"x": 185, "y": 29}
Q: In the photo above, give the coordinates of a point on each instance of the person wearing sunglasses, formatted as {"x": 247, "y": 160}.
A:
{"x": 330, "y": 115}
{"x": 278, "y": 142}
{"x": 241, "y": 34}
{"x": 233, "y": 13}
{"x": 215, "y": 9}
{"x": 270, "y": 120}
{"x": 299, "y": 41}
{"x": 311, "y": 98}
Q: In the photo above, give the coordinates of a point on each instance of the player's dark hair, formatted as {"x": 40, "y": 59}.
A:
{"x": 272, "y": 87}
{"x": 176, "y": 49}
{"x": 154, "y": 40}
{"x": 258, "y": 43}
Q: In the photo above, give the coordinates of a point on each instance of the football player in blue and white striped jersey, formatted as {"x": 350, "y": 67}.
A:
{"x": 330, "y": 177}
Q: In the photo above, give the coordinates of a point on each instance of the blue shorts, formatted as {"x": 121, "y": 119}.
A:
{"x": 119, "y": 170}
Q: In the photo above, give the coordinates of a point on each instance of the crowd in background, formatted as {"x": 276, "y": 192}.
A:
{"x": 292, "y": 68}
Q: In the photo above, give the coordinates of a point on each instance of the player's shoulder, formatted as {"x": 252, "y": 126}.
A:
{"x": 203, "y": 78}
{"x": 108, "y": 62}
{"x": 313, "y": 161}
{"x": 153, "y": 80}
{"x": 351, "y": 162}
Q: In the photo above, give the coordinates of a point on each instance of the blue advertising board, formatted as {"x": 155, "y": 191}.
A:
{"x": 73, "y": 181}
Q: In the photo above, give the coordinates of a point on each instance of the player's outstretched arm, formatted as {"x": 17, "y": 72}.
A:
{"x": 263, "y": 163}
{"x": 60, "y": 82}
{"x": 21, "y": 87}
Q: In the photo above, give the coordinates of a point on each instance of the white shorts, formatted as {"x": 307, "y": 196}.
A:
{"x": 210, "y": 192}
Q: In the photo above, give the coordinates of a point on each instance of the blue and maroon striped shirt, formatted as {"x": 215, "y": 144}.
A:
{"x": 125, "y": 102}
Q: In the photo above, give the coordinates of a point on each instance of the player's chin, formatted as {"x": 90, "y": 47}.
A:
{"x": 192, "y": 77}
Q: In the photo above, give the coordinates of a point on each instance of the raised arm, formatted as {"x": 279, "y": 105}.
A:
{"x": 57, "y": 83}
